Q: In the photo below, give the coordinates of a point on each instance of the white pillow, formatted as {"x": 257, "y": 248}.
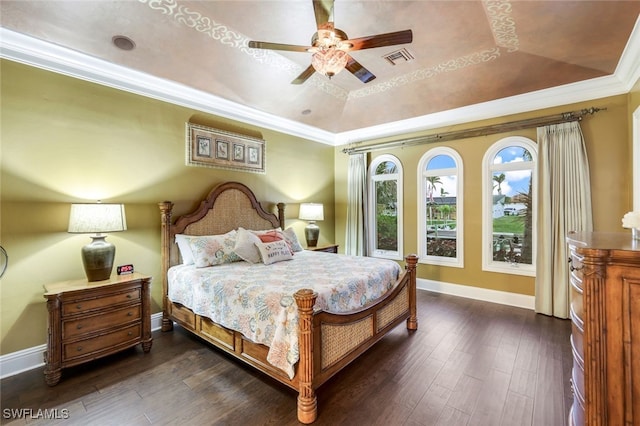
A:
{"x": 211, "y": 250}
{"x": 292, "y": 238}
{"x": 275, "y": 251}
{"x": 245, "y": 246}
{"x": 182, "y": 241}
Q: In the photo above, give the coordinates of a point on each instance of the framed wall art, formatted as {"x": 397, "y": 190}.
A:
{"x": 208, "y": 147}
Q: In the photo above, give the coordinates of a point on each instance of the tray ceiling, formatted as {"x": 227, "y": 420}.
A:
{"x": 468, "y": 60}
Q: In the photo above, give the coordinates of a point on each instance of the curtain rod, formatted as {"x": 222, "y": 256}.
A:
{"x": 478, "y": 131}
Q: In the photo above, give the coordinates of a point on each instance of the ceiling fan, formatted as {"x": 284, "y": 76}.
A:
{"x": 330, "y": 46}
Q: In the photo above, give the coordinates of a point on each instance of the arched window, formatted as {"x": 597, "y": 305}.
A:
{"x": 440, "y": 227}
{"x": 385, "y": 207}
{"x": 509, "y": 206}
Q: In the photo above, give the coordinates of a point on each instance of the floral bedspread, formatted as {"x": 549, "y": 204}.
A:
{"x": 257, "y": 299}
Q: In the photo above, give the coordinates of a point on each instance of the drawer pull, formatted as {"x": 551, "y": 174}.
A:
{"x": 573, "y": 268}
{"x": 79, "y": 326}
{"x": 79, "y": 307}
{"x": 79, "y": 348}
{"x": 130, "y": 333}
{"x": 129, "y": 314}
{"x": 129, "y": 296}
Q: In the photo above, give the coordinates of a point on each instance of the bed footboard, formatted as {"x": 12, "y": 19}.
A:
{"x": 341, "y": 338}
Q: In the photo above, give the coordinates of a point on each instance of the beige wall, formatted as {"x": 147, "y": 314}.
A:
{"x": 608, "y": 146}
{"x": 634, "y": 109}
{"x": 64, "y": 140}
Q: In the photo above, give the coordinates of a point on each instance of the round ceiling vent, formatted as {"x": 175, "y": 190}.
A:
{"x": 123, "y": 42}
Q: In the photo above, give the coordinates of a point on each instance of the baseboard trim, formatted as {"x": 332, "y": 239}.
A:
{"x": 477, "y": 293}
{"x": 20, "y": 361}
{"x": 30, "y": 358}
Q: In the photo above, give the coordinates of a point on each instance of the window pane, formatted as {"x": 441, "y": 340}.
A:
{"x": 512, "y": 154}
{"x": 512, "y": 218}
{"x": 387, "y": 215}
{"x": 386, "y": 168}
{"x": 441, "y": 205}
{"x": 441, "y": 162}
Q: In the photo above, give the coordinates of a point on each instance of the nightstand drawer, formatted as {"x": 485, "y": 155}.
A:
{"x": 88, "y": 324}
{"x": 88, "y": 304}
{"x": 102, "y": 342}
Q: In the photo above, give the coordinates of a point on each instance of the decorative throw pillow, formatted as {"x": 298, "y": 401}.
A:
{"x": 273, "y": 252}
{"x": 246, "y": 246}
{"x": 213, "y": 250}
{"x": 184, "y": 248}
{"x": 292, "y": 239}
{"x": 272, "y": 235}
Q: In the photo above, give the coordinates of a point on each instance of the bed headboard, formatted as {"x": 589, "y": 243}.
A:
{"x": 228, "y": 206}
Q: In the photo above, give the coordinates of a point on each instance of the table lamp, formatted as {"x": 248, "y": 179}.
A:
{"x": 311, "y": 212}
{"x": 98, "y": 255}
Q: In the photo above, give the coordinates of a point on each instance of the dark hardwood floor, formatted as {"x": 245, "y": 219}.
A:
{"x": 469, "y": 363}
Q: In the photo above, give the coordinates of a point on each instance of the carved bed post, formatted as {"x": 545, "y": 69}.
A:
{"x": 307, "y": 400}
{"x": 281, "y": 214}
{"x": 165, "y": 260}
{"x": 412, "y": 321}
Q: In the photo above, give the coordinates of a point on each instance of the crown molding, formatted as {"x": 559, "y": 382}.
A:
{"x": 40, "y": 54}
{"x": 561, "y": 95}
{"x": 34, "y": 52}
{"x": 628, "y": 70}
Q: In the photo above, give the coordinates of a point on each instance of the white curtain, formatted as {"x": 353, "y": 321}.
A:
{"x": 356, "y": 233}
{"x": 564, "y": 198}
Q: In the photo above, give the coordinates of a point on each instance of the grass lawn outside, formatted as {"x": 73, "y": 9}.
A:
{"x": 509, "y": 225}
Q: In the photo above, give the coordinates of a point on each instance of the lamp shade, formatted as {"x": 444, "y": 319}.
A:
{"x": 311, "y": 211}
{"x": 97, "y": 218}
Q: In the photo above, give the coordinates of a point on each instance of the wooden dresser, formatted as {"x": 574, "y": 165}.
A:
{"x": 89, "y": 320}
{"x": 605, "y": 338}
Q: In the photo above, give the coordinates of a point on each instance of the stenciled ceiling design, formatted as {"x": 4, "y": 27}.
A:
{"x": 469, "y": 60}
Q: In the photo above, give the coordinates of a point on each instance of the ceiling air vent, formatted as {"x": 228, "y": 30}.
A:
{"x": 402, "y": 55}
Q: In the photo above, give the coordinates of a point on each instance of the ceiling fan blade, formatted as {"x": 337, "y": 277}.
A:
{"x": 304, "y": 76}
{"x": 363, "y": 74}
{"x": 278, "y": 46}
{"x": 323, "y": 10}
{"x": 380, "y": 40}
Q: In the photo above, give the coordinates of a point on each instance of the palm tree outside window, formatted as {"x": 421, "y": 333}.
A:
{"x": 509, "y": 206}
{"x": 440, "y": 225}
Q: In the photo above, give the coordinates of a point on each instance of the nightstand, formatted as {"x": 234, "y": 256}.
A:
{"x": 330, "y": 248}
{"x": 89, "y": 320}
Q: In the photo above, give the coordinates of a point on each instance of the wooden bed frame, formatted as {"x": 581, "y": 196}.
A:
{"x": 327, "y": 342}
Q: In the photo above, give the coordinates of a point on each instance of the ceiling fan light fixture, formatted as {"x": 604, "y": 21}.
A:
{"x": 329, "y": 46}
{"x": 326, "y": 38}
{"x": 329, "y": 61}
